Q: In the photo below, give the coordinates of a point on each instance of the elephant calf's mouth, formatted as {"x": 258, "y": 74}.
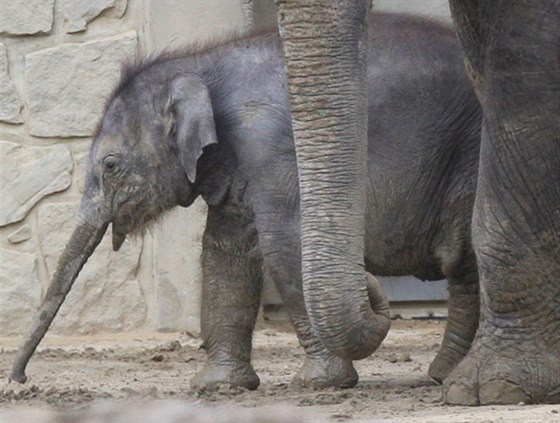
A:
{"x": 122, "y": 225}
{"x": 133, "y": 219}
{"x": 118, "y": 239}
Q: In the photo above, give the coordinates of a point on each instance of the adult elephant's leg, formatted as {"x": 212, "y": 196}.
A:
{"x": 324, "y": 47}
{"x": 516, "y": 224}
{"x": 231, "y": 293}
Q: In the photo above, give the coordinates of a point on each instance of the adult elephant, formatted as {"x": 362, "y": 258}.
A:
{"x": 511, "y": 51}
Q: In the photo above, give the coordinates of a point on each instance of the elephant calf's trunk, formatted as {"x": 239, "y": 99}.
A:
{"x": 83, "y": 242}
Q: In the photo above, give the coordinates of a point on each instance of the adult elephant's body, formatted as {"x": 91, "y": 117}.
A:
{"x": 215, "y": 122}
{"x": 512, "y": 55}
{"x": 512, "y": 51}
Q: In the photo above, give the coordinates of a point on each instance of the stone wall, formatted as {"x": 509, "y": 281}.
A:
{"x": 59, "y": 60}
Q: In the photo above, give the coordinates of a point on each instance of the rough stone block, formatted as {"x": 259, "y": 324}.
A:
{"x": 177, "y": 268}
{"x": 20, "y": 291}
{"x": 106, "y": 294}
{"x": 67, "y": 86}
{"x": 10, "y": 105}
{"x": 22, "y": 234}
{"x": 168, "y": 23}
{"x": 78, "y": 13}
{"x": 28, "y": 174}
{"x": 20, "y": 17}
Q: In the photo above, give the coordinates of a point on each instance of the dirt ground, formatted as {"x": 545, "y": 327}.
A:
{"x": 74, "y": 373}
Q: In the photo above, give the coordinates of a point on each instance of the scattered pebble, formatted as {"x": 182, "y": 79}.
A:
{"x": 341, "y": 417}
{"x": 170, "y": 346}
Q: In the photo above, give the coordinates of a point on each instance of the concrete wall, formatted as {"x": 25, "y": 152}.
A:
{"x": 59, "y": 60}
{"x": 434, "y": 8}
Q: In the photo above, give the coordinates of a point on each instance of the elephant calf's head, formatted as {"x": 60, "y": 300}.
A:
{"x": 145, "y": 154}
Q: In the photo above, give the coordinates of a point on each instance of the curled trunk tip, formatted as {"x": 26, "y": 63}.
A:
{"x": 355, "y": 332}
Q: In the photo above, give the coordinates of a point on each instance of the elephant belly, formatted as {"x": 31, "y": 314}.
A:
{"x": 384, "y": 257}
{"x": 399, "y": 239}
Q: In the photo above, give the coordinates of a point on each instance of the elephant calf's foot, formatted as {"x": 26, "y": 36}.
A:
{"x": 446, "y": 360}
{"x": 504, "y": 376}
{"x": 213, "y": 375}
{"x": 326, "y": 370}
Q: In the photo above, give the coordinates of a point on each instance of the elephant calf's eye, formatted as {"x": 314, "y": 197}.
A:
{"x": 109, "y": 163}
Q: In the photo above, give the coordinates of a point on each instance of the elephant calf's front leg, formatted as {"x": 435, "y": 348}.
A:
{"x": 232, "y": 284}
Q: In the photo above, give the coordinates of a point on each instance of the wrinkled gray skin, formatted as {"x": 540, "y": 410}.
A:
{"x": 512, "y": 55}
{"x": 216, "y": 123}
{"x": 512, "y": 50}
{"x": 324, "y": 46}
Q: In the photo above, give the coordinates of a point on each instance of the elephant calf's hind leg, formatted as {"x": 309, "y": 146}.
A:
{"x": 321, "y": 368}
{"x": 462, "y": 323}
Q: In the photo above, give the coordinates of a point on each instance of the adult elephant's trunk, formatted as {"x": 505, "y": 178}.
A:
{"x": 325, "y": 51}
{"x": 84, "y": 240}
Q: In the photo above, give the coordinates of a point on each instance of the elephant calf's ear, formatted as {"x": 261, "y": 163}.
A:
{"x": 192, "y": 119}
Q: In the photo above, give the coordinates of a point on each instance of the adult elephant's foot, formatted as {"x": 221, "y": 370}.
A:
{"x": 323, "y": 370}
{"x": 505, "y": 374}
{"x": 239, "y": 375}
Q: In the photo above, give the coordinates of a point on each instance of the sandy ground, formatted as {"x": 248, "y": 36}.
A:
{"x": 76, "y": 373}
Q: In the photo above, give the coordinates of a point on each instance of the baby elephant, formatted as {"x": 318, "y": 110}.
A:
{"x": 214, "y": 121}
